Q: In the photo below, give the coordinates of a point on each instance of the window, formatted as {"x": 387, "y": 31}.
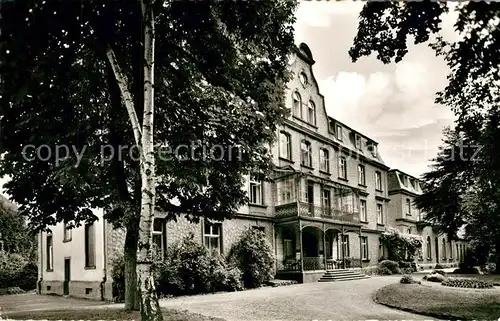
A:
{"x": 364, "y": 247}
{"x": 89, "y": 245}
{"x": 361, "y": 175}
{"x": 345, "y": 245}
{"x": 357, "y": 141}
{"x": 311, "y": 113}
{"x": 342, "y": 167}
{"x": 286, "y": 190}
{"x": 405, "y": 180}
{"x": 327, "y": 200}
{"x": 159, "y": 238}
{"x": 408, "y": 206}
{"x": 297, "y": 104}
{"x": 285, "y": 145}
{"x": 288, "y": 248}
{"x": 255, "y": 192}
{"x": 67, "y": 233}
{"x": 458, "y": 253}
{"x": 306, "y": 153}
{"x": 212, "y": 236}
{"x": 381, "y": 249}
{"x": 338, "y": 132}
{"x": 420, "y": 254}
{"x": 409, "y": 230}
{"x": 378, "y": 181}
{"x": 362, "y": 209}
{"x": 380, "y": 214}
{"x": 50, "y": 253}
{"x": 428, "y": 248}
{"x": 443, "y": 249}
{"x": 324, "y": 160}
{"x": 451, "y": 249}
{"x": 373, "y": 149}
{"x": 303, "y": 78}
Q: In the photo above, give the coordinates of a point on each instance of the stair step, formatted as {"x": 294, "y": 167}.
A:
{"x": 357, "y": 277}
{"x": 342, "y": 272}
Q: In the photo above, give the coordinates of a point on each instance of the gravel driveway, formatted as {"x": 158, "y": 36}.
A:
{"x": 350, "y": 300}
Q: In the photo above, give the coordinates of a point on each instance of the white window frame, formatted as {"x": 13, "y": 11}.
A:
{"x": 207, "y": 237}
{"x": 286, "y": 190}
{"x": 345, "y": 245}
{"x": 50, "y": 252}
{"x": 297, "y": 104}
{"x": 285, "y": 145}
{"x": 311, "y": 113}
{"x": 67, "y": 235}
{"x": 378, "y": 181}
{"x": 380, "y": 213}
{"x": 306, "y": 153}
{"x": 363, "y": 211}
{"x": 338, "y": 132}
{"x": 364, "y": 247}
{"x": 326, "y": 202}
{"x": 256, "y": 186}
{"x": 357, "y": 141}
{"x": 324, "y": 160}
{"x": 161, "y": 234}
{"x": 342, "y": 167}
{"x": 361, "y": 174}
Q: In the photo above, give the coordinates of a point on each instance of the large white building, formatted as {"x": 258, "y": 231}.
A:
{"x": 331, "y": 198}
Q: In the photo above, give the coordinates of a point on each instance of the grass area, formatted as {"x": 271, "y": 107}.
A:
{"x": 104, "y": 314}
{"x": 443, "y": 303}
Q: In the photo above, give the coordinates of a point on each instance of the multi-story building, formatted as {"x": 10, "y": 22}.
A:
{"x": 325, "y": 208}
{"x": 437, "y": 248}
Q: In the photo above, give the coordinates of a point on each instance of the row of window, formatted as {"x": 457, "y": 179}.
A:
{"x": 89, "y": 240}
{"x": 306, "y": 157}
{"x": 309, "y": 114}
{"x": 460, "y": 249}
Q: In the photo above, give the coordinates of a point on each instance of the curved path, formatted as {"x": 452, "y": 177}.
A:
{"x": 348, "y": 300}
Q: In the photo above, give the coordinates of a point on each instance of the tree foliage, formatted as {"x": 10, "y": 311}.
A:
{"x": 463, "y": 186}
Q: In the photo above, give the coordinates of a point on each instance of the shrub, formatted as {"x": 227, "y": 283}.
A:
{"x": 489, "y": 268}
{"x": 439, "y": 266}
{"x": 11, "y": 267}
{"x": 439, "y": 272}
{"x": 408, "y": 279}
{"x": 370, "y": 270}
{"x": 118, "y": 276}
{"x": 466, "y": 269}
{"x": 28, "y": 277}
{"x": 468, "y": 283}
{"x": 224, "y": 278}
{"x": 391, "y": 265}
{"x": 384, "y": 271}
{"x": 435, "y": 277}
{"x": 254, "y": 256}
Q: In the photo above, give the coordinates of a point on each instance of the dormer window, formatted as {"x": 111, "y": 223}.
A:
{"x": 331, "y": 126}
{"x": 338, "y": 132}
{"x": 405, "y": 181}
{"x": 373, "y": 149}
{"x": 303, "y": 78}
{"x": 357, "y": 141}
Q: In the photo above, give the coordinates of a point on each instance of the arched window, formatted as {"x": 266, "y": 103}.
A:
{"x": 297, "y": 104}
{"x": 285, "y": 145}
{"x": 428, "y": 248}
{"x": 306, "y": 153}
{"x": 303, "y": 78}
{"x": 311, "y": 113}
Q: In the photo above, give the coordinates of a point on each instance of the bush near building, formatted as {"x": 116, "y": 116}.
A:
{"x": 254, "y": 257}
{"x": 17, "y": 271}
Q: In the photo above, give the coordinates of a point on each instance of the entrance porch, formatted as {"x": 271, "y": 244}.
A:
{"x": 306, "y": 249}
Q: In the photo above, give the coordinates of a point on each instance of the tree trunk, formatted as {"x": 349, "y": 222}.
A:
{"x": 150, "y": 308}
{"x": 130, "y": 258}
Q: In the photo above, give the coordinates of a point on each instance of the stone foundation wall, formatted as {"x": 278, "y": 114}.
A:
{"x": 78, "y": 289}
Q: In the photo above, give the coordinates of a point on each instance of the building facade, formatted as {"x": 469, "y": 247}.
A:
{"x": 437, "y": 248}
{"x": 330, "y": 199}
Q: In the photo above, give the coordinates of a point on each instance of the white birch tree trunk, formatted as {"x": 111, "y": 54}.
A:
{"x": 150, "y": 309}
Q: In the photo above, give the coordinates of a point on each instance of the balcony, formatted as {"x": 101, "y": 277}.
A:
{"x": 309, "y": 210}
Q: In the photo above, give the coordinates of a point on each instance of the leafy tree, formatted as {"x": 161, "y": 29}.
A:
{"x": 75, "y": 77}
{"x": 14, "y": 234}
{"x": 460, "y": 190}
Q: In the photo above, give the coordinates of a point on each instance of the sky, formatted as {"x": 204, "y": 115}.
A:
{"x": 394, "y": 103}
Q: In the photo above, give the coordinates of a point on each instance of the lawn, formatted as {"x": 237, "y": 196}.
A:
{"x": 104, "y": 314}
{"x": 443, "y": 303}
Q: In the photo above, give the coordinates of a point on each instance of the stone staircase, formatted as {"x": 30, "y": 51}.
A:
{"x": 342, "y": 275}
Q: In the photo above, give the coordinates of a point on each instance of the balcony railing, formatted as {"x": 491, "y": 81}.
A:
{"x": 309, "y": 210}
{"x": 317, "y": 263}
